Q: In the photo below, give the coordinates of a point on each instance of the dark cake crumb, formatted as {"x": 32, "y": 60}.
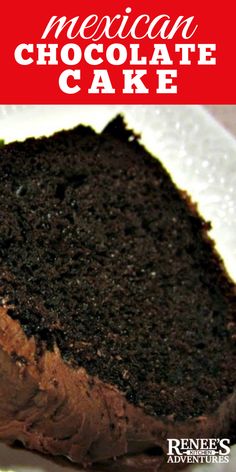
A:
{"x": 100, "y": 253}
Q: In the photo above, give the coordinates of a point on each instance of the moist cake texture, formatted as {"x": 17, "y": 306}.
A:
{"x": 103, "y": 256}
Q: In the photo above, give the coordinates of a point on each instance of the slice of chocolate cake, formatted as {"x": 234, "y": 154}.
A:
{"x": 117, "y": 319}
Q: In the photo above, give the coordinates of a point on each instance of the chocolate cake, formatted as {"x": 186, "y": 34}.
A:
{"x": 117, "y": 318}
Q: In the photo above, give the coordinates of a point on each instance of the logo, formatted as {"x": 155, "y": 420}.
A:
{"x": 198, "y": 451}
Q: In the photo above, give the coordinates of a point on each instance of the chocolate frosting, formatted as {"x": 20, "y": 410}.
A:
{"x": 56, "y": 409}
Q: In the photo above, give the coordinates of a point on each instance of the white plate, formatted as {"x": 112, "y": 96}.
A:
{"x": 198, "y": 152}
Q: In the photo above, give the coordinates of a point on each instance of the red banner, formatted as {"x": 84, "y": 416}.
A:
{"x": 117, "y": 52}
